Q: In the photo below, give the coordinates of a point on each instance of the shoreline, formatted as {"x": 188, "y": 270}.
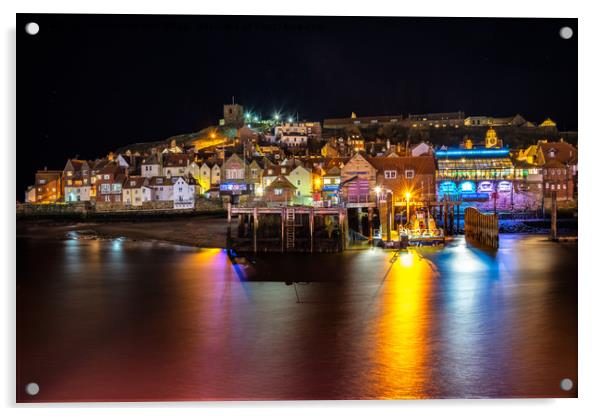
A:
{"x": 200, "y": 232}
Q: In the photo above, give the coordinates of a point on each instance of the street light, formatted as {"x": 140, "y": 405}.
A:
{"x": 408, "y": 195}
{"x": 276, "y": 116}
{"x": 378, "y": 190}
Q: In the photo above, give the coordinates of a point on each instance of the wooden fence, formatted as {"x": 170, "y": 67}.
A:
{"x": 483, "y": 228}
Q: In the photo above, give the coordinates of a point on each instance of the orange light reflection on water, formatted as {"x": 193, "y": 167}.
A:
{"x": 400, "y": 356}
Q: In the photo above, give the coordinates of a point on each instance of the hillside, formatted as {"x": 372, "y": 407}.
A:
{"x": 210, "y": 136}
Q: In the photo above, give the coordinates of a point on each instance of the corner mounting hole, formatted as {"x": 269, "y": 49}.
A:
{"x": 566, "y": 32}
{"x": 32, "y": 28}
{"x": 32, "y": 389}
{"x": 566, "y": 384}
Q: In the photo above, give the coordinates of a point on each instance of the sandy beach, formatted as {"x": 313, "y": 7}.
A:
{"x": 193, "y": 231}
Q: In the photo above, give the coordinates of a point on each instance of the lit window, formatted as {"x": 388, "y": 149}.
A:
{"x": 278, "y": 191}
{"x": 106, "y": 177}
{"x": 409, "y": 174}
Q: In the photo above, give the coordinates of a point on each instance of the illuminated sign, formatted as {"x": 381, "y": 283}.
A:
{"x": 233, "y": 187}
{"x": 468, "y": 187}
{"x": 447, "y": 187}
{"x": 504, "y": 186}
{"x": 486, "y": 186}
{"x": 472, "y": 152}
{"x": 475, "y": 196}
{"x": 330, "y": 187}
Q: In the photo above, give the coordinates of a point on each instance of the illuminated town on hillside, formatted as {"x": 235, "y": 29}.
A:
{"x": 353, "y": 163}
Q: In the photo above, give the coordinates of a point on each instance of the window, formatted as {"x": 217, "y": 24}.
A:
{"x": 278, "y": 191}
{"x": 42, "y": 181}
{"x": 106, "y": 177}
{"x": 69, "y": 173}
{"x": 390, "y": 174}
{"x": 270, "y": 171}
{"x": 563, "y": 186}
{"x": 327, "y": 181}
{"x": 409, "y": 174}
{"x": 547, "y": 186}
{"x": 69, "y": 182}
{"x": 298, "y": 182}
{"x": 298, "y": 193}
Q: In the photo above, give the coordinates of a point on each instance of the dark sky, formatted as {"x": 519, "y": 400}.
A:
{"x": 87, "y": 84}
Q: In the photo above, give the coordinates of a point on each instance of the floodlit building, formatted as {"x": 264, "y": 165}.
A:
{"x": 48, "y": 186}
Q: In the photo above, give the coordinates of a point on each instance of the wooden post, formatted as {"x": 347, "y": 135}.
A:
{"x": 458, "y": 220}
{"x": 370, "y": 226}
{"x": 229, "y": 230}
{"x": 255, "y": 226}
{"x": 389, "y": 209}
{"x": 240, "y": 224}
{"x": 282, "y": 219}
{"x": 553, "y": 217}
{"x": 311, "y": 230}
{"x": 360, "y": 228}
{"x": 445, "y": 219}
{"x": 342, "y": 229}
{"x": 451, "y": 220}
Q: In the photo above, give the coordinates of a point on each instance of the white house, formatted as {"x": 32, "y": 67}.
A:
{"x": 216, "y": 175}
{"x": 76, "y": 193}
{"x": 301, "y": 177}
{"x": 150, "y": 167}
{"x": 162, "y": 188}
{"x": 193, "y": 169}
{"x": 132, "y": 192}
{"x": 184, "y": 192}
{"x": 294, "y": 140}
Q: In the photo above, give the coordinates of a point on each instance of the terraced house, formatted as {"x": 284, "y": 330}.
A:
{"x": 77, "y": 176}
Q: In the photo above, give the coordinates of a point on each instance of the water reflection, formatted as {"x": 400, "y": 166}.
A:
{"x": 401, "y": 344}
{"x": 122, "y": 320}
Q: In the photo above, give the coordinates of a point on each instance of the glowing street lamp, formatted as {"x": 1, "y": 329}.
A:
{"x": 290, "y": 119}
{"x": 318, "y": 183}
{"x": 248, "y": 116}
{"x": 408, "y": 195}
{"x": 276, "y": 116}
{"x": 378, "y": 190}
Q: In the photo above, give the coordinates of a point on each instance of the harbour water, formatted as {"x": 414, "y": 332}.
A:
{"x": 118, "y": 320}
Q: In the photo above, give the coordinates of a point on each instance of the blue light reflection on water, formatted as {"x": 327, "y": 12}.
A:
{"x": 122, "y": 320}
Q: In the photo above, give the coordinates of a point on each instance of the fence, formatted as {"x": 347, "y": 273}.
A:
{"x": 483, "y": 228}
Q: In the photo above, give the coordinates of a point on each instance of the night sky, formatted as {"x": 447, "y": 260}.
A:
{"x": 87, "y": 84}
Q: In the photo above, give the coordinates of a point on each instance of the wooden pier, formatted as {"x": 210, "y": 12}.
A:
{"x": 288, "y": 229}
{"x": 483, "y": 228}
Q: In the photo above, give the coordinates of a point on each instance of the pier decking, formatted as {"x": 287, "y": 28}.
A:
{"x": 288, "y": 229}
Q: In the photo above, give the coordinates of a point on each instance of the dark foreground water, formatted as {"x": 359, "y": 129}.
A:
{"x": 120, "y": 321}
